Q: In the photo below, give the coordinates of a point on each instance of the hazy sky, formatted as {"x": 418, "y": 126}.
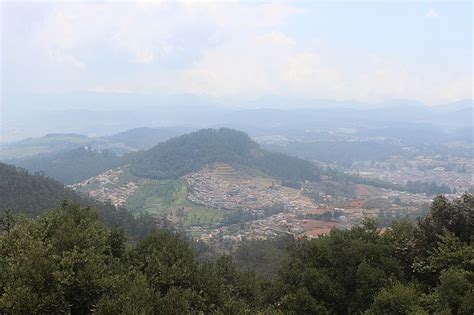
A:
{"x": 370, "y": 51}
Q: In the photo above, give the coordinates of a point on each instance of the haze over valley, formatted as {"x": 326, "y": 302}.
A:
{"x": 215, "y": 157}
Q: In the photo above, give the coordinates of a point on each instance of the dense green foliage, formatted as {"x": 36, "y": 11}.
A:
{"x": 34, "y": 194}
{"x": 191, "y": 152}
{"x": 407, "y": 269}
{"x": 264, "y": 257}
{"x": 68, "y": 262}
{"x": 72, "y": 166}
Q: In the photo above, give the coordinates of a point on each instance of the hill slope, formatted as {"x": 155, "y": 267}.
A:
{"x": 145, "y": 138}
{"x": 48, "y": 144}
{"x": 71, "y": 166}
{"x": 191, "y": 152}
{"x": 35, "y": 194}
{"x": 31, "y": 194}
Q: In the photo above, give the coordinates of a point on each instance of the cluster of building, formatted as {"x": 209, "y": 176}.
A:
{"x": 278, "y": 224}
{"x": 454, "y": 172}
{"x": 222, "y": 187}
{"x": 114, "y": 186}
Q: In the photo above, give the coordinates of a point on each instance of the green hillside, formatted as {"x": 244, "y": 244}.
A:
{"x": 72, "y": 166}
{"x": 50, "y": 143}
{"x": 31, "y": 194}
{"x": 34, "y": 194}
{"x": 191, "y": 152}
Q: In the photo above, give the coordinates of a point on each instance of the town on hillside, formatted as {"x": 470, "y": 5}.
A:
{"x": 223, "y": 205}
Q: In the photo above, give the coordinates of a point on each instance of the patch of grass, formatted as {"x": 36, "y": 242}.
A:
{"x": 154, "y": 196}
{"x": 168, "y": 198}
{"x": 189, "y": 213}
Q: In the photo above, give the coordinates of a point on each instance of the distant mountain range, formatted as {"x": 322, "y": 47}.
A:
{"x": 120, "y": 143}
{"x": 121, "y": 112}
{"x": 71, "y": 158}
{"x": 73, "y": 165}
{"x": 169, "y": 159}
{"x": 325, "y": 135}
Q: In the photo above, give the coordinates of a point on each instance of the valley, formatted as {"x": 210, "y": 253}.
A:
{"x": 221, "y": 187}
{"x": 237, "y": 157}
{"x": 224, "y": 205}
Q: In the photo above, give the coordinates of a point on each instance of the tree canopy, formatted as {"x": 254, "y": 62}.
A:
{"x": 68, "y": 261}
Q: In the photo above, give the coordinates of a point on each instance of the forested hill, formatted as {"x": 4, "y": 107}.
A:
{"x": 72, "y": 166}
{"x": 191, "y": 152}
{"x": 34, "y": 194}
{"x": 31, "y": 194}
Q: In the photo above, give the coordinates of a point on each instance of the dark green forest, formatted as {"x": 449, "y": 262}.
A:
{"x": 191, "y": 152}
{"x": 68, "y": 261}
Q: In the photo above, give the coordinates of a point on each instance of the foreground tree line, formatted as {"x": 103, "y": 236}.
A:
{"x": 67, "y": 261}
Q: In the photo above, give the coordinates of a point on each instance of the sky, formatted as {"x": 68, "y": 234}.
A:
{"x": 364, "y": 51}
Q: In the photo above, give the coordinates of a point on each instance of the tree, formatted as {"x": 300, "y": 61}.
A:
{"x": 117, "y": 240}
{"x": 55, "y": 263}
{"x": 456, "y": 217}
{"x": 166, "y": 261}
{"x": 69, "y": 262}
{"x": 456, "y": 290}
{"x": 398, "y": 299}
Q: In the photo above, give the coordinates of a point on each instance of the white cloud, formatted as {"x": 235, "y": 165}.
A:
{"x": 431, "y": 13}
{"x": 59, "y": 57}
{"x": 151, "y": 31}
{"x": 110, "y": 89}
{"x": 223, "y": 49}
{"x": 273, "y": 63}
{"x": 270, "y": 63}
